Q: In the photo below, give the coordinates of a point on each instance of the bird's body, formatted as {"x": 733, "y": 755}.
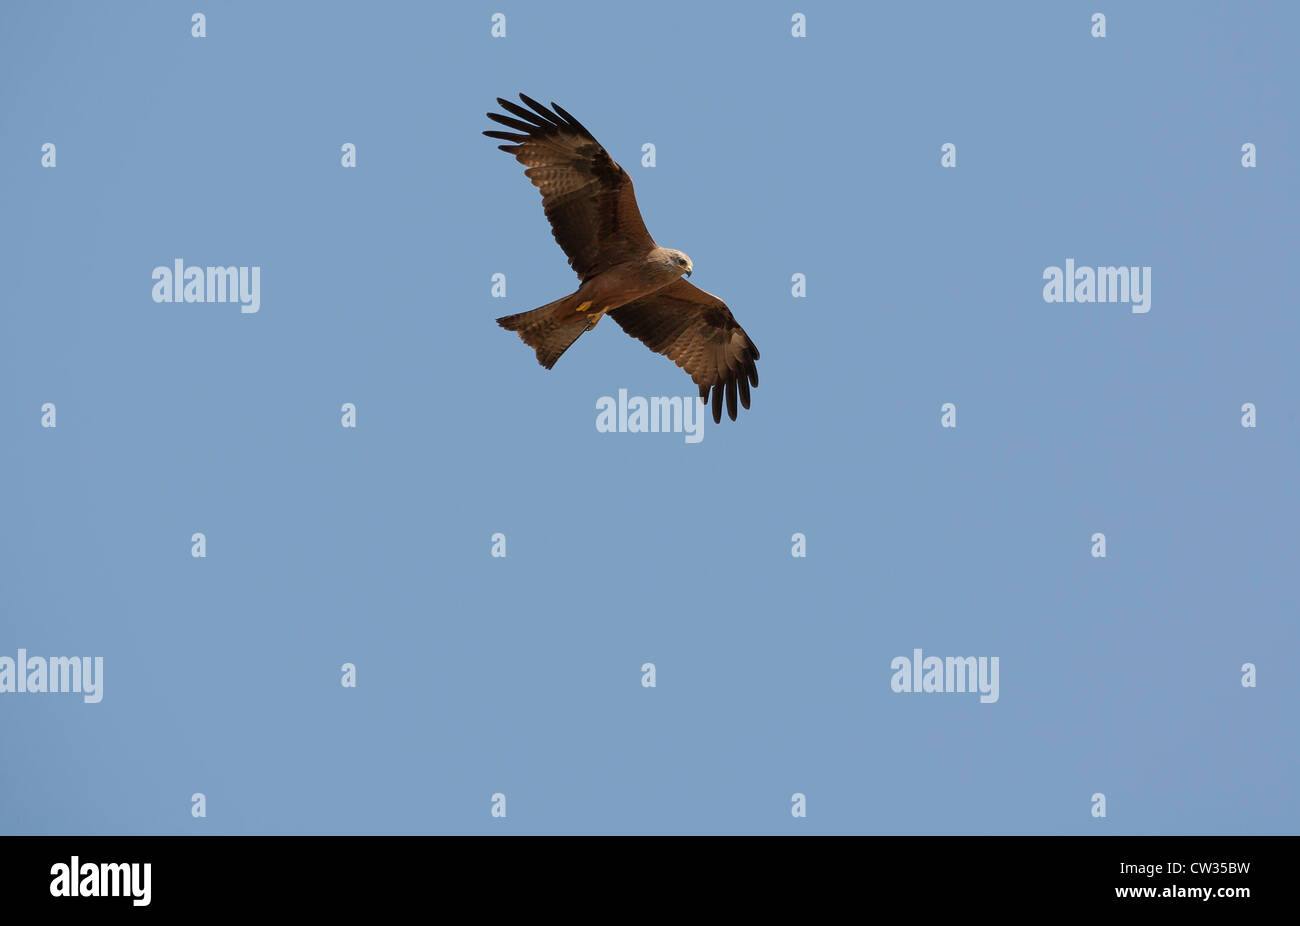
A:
{"x": 594, "y": 217}
{"x": 623, "y": 283}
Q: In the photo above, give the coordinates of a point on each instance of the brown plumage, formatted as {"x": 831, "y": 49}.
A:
{"x": 594, "y": 217}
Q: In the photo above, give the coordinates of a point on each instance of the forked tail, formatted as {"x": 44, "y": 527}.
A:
{"x": 551, "y": 329}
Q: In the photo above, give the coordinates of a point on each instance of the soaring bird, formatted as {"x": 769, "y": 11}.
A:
{"x": 594, "y": 217}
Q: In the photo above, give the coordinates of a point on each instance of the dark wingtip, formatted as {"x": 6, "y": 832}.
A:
{"x": 532, "y": 119}
{"x": 568, "y": 117}
{"x": 541, "y": 110}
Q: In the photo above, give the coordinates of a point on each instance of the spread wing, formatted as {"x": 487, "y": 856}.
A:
{"x": 696, "y": 331}
{"x": 588, "y": 198}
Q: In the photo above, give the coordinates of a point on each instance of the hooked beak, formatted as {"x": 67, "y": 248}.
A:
{"x": 688, "y": 273}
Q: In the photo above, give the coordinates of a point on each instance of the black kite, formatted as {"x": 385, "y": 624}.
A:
{"x": 589, "y": 201}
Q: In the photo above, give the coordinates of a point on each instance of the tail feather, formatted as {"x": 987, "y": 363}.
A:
{"x": 549, "y": 330}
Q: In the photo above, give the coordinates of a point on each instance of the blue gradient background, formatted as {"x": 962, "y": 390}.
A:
{"x": 522, "y": 675}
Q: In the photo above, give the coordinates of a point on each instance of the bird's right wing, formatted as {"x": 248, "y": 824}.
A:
{"x": 696, "y": 331}
{"x": 587, "y": 196}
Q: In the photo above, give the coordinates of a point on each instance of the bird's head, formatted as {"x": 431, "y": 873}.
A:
{"x": 678, "y": 260}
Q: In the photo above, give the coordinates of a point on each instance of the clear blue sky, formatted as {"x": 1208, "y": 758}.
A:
{"x": 522, "y": 675}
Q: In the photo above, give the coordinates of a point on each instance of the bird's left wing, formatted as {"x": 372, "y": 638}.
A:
{"x": 588, "y": 198}
{"x": 696, "y": 331}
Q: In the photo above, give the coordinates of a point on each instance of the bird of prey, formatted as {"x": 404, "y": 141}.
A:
{"x": 589, "y": 201}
